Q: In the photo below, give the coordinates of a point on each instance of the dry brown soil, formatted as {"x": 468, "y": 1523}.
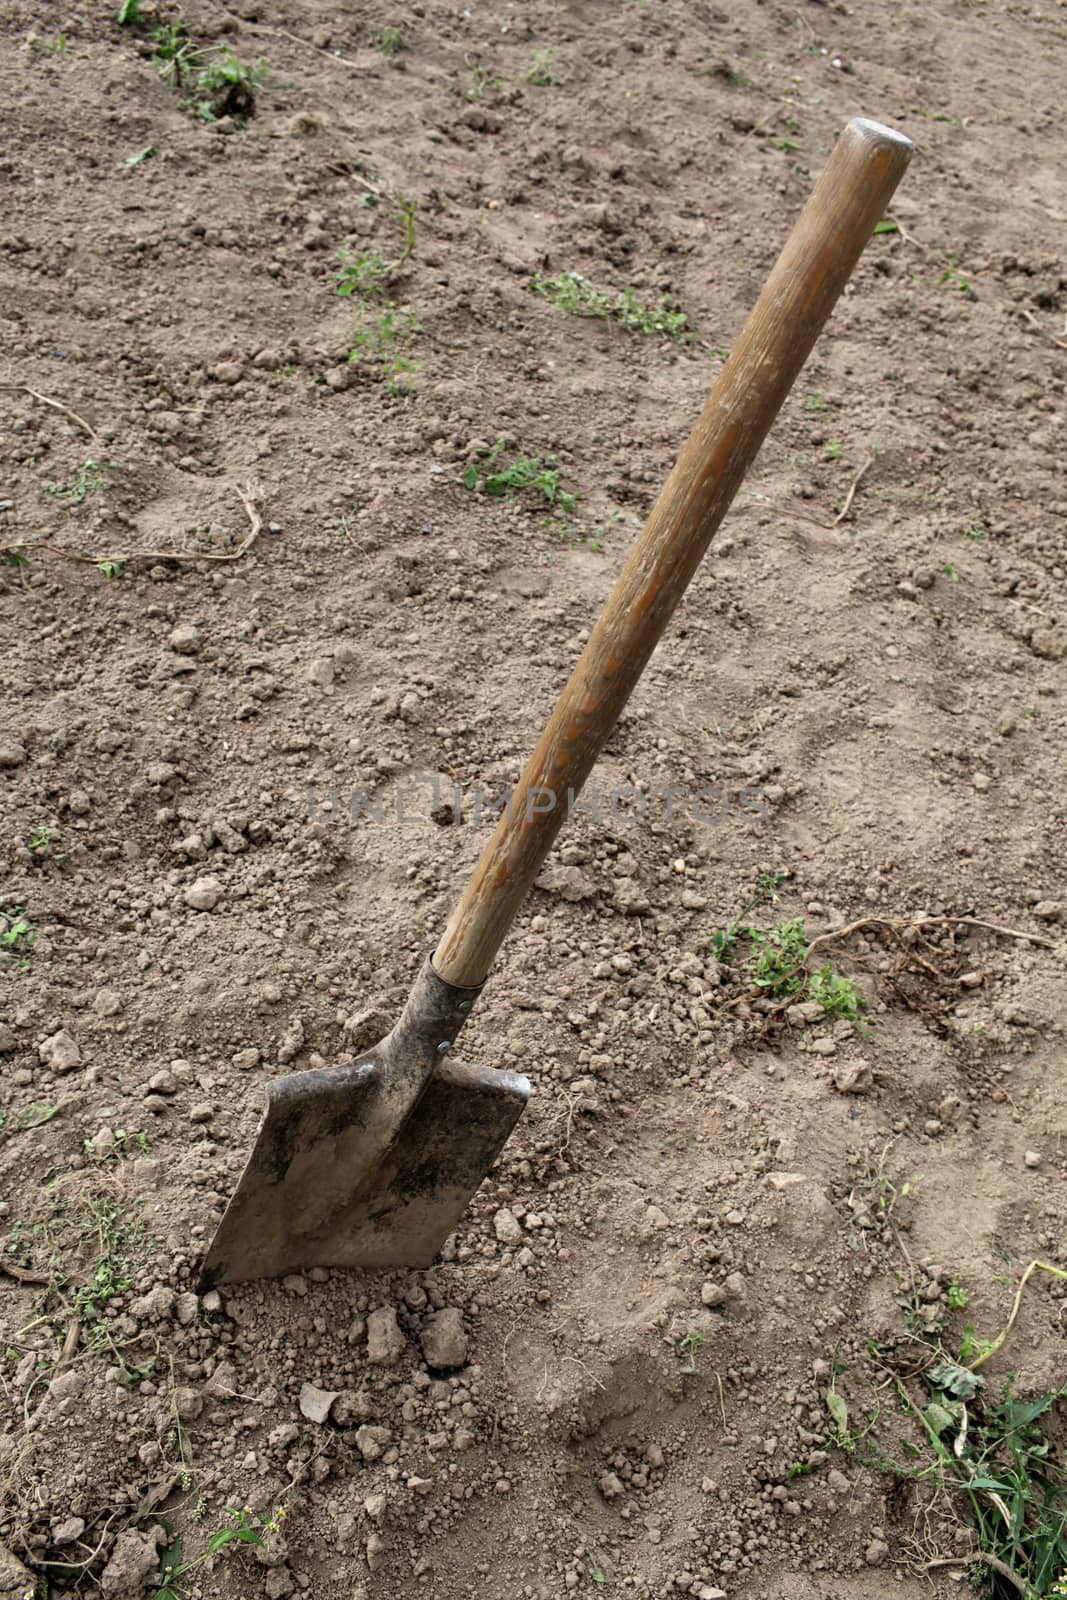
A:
{"x": 889, "y": 682}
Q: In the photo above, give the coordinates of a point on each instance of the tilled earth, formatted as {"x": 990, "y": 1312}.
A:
{"x": 254, "y": 622}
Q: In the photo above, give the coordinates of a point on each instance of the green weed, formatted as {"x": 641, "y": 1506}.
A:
{"x": 887, "y": 225}
{"x": 384, "y": 339}
{"x": 243, "y": 1527}
{"x": 519, "y": 476}
{"x": 91, "y": 475}
{"x": 225, "y": 86}
{"x": 570, "y": 292}
{"x": 17, "y": 935}
{"x": 538, "y": 70}
{"x": 41, "y": 838}
{"x": 389, "y": 40}
{"x": 50, "y": 46}
{"x": 722, "y": 70}
{"x": 129, "y": 14}
{"x": 687, "y": 1349}
{"x": 778, "y": 953}
{"x": 837, "y": 994}
{"x": 952, "y": 278}
{"x": 482, "y": 80}
{"x": 364, "y": 275}
{"x": 111, "y": 569}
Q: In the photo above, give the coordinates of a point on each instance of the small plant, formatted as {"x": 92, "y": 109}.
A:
{"x": 128, "y": 14}
{"x": 538, "y": 70}
{"x": 124, "y": 1144}
{"x": 975, "y": 530}
{"x": 111, "y": 569}
{"x": 385, "y": 338}
{"x": 833, "y": 449}
{"x": 90, "y": 475}
{"x": 53, "y": 46}
{"x": 816, "y": 403}
{"x": 950, "y": 572}
{"x": 522, "y": 474}
{"x": 362, "y": 276}
{"x": 173, "y": 52}
{"x": 837, "y": 995}
{"x": 952, "y": 278}
{"x": 687, "y": 1349}
{"x": 570, "y": 292}
{"x": 40, "y": 839}
{"x": 17, "y": 935}
{"x": 482, "y": 80}
{"x": 956, "y": 1295}
{"x": 887, "y": 225}
{"x": 243, "y": 1527}
{"x": 225, "y": 86}
{"x": 389, "y": 40}
{"x": 778, "y": 955}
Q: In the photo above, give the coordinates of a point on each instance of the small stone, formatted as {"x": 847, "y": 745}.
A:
{"x": 154, "y": 1306}
{"x": 315, "y": 1403}
{"x": 420, "y": 1485}
{"x": 295, "y": 1283}
{"x": 713, "y": 1294}
{"x": 375, "y": 1505}
{"x": 8, "y": 1041}
{"x": 629, "y": 897}
{"x": 60, "y": 1052}
{"x": 823, "y": 1046}
{"x": 134, "y": 1558}
{"x": 204, "y": 894}
{"x": 611, "y": 1486}
{"x": 444, "y": 1340}
{"x": 1049, "y": 643}
{"x": 160, "y": 773}
{"x": 185, "y": 639}
{"x": 226, "y": 372}
{"x": 853, "y": 1077}
{"x": 279, "y": 1583}
{"x": 838, "y": 1483}
{"x": 876, "y": 1552}
{"x": 66, "y": 1532}
{"x": 188, "y": 1403}
{"x": 372, "y": 1442}
{"x": 12, "y": 754}
{"x": 1032, "y": 1158}
{"x": 320, "y": 672}
{"x": 981, "y": 782}
{"x": 385, "y": 1339}
{"x": 1048, "y": 910}
{"x": 163, "y": 1082}
{"x": 245, "y": 1060}
{"x": 291, "y": 1042}
{"x": 203, "y": 1111}
{"x": 351, "y": 1408}
{"x": 506, "y": 1226}
{"x": 211, "y": 1302}
{"x": 376, "y": 1551}
{"x": 186, "y": 1307}
{"x": 784, "y": 1180}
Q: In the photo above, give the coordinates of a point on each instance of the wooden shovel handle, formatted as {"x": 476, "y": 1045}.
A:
{"x": 824, "y": 246}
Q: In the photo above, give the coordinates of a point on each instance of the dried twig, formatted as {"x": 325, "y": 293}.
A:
{"x": 1032, "y": 320}
{"x": 853, "y": 486}
{"x": 21, "y": 1275}
{"x": 56, "y": 406}
{"x": 249, "y": 497}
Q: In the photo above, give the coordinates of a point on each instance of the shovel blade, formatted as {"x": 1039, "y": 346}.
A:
{"x": 336, "y": 1180}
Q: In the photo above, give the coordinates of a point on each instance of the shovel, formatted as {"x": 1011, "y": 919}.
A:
{"x": 373, "y": 1162}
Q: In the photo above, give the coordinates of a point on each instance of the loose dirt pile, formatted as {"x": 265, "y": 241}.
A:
{"x": 672, "y": 1348}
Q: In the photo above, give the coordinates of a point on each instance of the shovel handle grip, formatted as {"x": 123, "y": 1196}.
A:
{"x": 826, "y": 242}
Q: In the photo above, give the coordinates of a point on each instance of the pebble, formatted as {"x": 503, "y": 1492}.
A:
{"x": 245, "y": 1060}
{"x": 226, "y": 372}
{"x": 186, "y": 1307}
{"x": 372, "y": 1442}
{"x": 163, "y": 1082}
{"x": 12, "y": 754}
{"x": 60, "y": 1052}
{"x": 154, "y": 1306}
{"x": 315, "y": 1403}
{"x": 295, "y": 1283}
{"x": 385, "y": 1338}
{"x": 506, "y": 1226}
{"x": 184, "y": 640}
{"x": 66, "y": 1532}
{"x": 444, "y": 1340}
{"x": 853, "y": 1077}
{"x": 188, "y": 1403}
{"x": 204, "y": 894}
{"x": 876, "y": 1552}
{"x": 7, "y": 1039}
{"x": 1049, "y": 910}
{"x": 838, "y": 1483}
{"x": 351, "y": 1408}
{"x": 713, "y": 1294}
{"x": 1032, "y": 1158}
{"x": 203, "y": 1111}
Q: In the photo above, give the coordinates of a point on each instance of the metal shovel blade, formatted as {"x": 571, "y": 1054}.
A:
{"x": 373, "y": 1162}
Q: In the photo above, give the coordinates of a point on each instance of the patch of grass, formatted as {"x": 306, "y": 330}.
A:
{"x": 946, "y": 117}
{"x": 390, "y": 40}
{"x": 778, "y": 953}
{"x": 91, "y": 475}
{"x": 570, "y": 292}
{"x": 362, "y": 275}
{"x": 521, "y": 475}
{"x": 41, "y": 838}
{"x": 816, "y": 404}
{"x": 975, "y": 530}
{"x": 538, "y": 70}
{"x": 833, "y": 449}
{"x": 49, "y": 45}
{"x": 225, "y": 86}
{"x": 837, "y": 994}
{"x": 129, "y": 14}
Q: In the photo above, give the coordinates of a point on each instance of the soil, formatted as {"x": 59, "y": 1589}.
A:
{"x": 714, "y": 1214}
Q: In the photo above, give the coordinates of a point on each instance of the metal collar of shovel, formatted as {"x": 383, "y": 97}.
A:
{"x": 372, "y": 1163}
